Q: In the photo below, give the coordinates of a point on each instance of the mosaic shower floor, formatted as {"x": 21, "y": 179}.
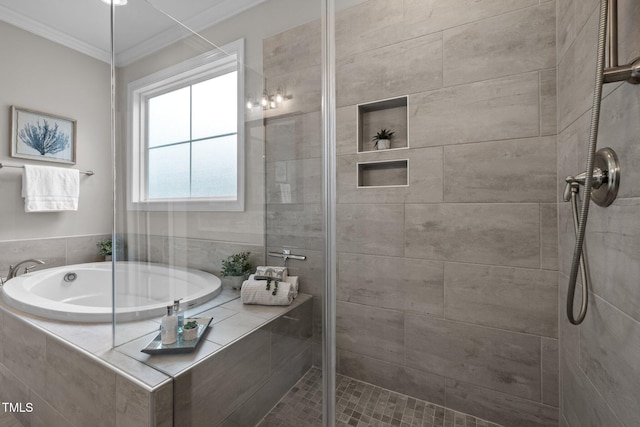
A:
{"x": 360, "y": 404}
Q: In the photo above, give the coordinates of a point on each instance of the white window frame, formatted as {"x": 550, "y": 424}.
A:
{"x": 217, "y": 62}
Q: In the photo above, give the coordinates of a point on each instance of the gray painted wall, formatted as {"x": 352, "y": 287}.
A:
{"x": 600, "y": 374}
{"x": 44, "y": 76}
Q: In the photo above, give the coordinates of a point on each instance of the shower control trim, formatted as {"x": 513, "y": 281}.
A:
{"x": 606, "y": 178}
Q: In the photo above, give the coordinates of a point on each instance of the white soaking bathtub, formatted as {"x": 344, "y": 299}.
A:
{"x": 143, "y": 290}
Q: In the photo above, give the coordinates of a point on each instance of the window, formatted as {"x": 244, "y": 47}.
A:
{"x": 186, "y": 135}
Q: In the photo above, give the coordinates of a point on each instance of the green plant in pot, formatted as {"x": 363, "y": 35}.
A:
{"x": 105, "y": 248}
{"x": 237, "y": 268}
{"x": 190, "y": 331}
{"x": 382, "y": 139}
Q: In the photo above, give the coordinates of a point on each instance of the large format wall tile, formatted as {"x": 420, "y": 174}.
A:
{"x": 24, "y": 350}
{"x": 294, "y": 182}
{"x": 370, "y": 331}
{"x": 370, "y": 229}
{"x": 609, "y": 357}
{"x": 132, "y": 404}
{"x": 503, "y": 234}
{"x": 499, "y": 407}
{"x": 549, "y": 236}
{"x": 355, "y": 32}
{"x": 81, "y": 389}
{"x": 44, "y": 415}
{"x": 508, "y": 44}
{"x": 264, "y": 399}
{"x": 503, "y": 108}
{"x": 51, "y": 251}
{"x": 516, "y": 299}
{"x": 424, "y": 176}
{"x": 295, "y": 225}
{"x": 228, "y": 379}
{"x": 501, "y": 360}
{"x": 392, "y": 376}
{"x": 550, "y": 373}
{"x": 576, "y": 75}
{"x": 548, "y": 102}
{"x": 13, "y": 390}
{"x": 619, "y": 129}
{"x": 520, "y": 170}
{"x": 397, "y": 283}
{"x": 302, "y": 43}
{"x": 408, "y": 67}
{"x": 581, "y": 403}
{"x": 423, "y": 17}
{"x": 613, "y": 246}
{"x": 293, "y": 137}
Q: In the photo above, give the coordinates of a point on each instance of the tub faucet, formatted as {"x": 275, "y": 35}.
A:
{"x": 13, "y": 269}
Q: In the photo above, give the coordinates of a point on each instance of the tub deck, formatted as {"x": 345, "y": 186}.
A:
{"x": 236, "y": 330}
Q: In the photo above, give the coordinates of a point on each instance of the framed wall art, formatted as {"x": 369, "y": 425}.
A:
{"x": 42, "y": 136}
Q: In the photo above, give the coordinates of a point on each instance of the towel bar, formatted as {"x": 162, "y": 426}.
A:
{"x": 2, "y": 165}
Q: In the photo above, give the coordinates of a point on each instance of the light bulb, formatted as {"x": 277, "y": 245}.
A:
{"x": 115, "y": 2}
{"x": 279, "y": 97}
{"x": 249, "y": 104}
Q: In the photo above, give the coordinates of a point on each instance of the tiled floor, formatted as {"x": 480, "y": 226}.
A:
{"x": 360, "y": 404}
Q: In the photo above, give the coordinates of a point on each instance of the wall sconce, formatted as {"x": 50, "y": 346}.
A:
{"x": 268, "y": 101}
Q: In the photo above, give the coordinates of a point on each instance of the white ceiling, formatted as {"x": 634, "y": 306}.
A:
{"x": 141, "y": 27}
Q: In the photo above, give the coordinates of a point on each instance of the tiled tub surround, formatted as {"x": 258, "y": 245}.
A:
{"x": 600, "y": 373}
{"x": 447, "y": 288}
{"x": 249, "y": 358}
{"x": 55, "y": 251}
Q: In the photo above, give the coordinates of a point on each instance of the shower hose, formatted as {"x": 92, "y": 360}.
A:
{"x": 580, "y": 222}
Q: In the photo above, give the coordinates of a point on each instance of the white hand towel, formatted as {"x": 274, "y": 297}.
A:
{"x": 48, "y": 189}
{"x": 255, "y": 292}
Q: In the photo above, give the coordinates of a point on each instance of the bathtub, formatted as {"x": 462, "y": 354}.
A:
{"x": 142, "y": 291}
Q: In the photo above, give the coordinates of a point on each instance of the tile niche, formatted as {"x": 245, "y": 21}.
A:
{"x": 389, "y": 114}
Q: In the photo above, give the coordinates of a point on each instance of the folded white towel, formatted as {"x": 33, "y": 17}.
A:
{"x": 255, "y": 292}
{"x": 48, "y": 189}
{"x": 293, "y": 280}
{"x": 279, "y": 273}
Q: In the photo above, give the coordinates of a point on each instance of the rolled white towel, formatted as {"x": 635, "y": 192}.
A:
{"x": 255, "y": 292}
{"x": 279, "y": 273}
{"x": 293, "y": 280}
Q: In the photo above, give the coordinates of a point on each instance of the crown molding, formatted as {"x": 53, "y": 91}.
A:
{"x": 45, "y": 31}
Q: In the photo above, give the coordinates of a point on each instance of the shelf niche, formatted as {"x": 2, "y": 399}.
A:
{"x": 391, "y": 173}
{"x": 390, "y": 114}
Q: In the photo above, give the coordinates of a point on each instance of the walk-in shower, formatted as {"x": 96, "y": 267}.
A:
{"x": 602, "y": 173}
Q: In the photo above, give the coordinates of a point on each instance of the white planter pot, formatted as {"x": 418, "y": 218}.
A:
{"x": 236, "y": 281}
{"x": 189, "y": 334}
{"x": 384, "y": 144}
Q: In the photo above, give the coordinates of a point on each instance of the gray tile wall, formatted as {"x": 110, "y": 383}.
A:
{"x": 53, "y": 251}
{"x": 447, "y": 288}
{"x": 69, "y": 388}
{"x": 600, "y": 375}
{"x": 238, "y": 386}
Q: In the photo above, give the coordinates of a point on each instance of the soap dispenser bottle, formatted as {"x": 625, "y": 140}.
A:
{"x": 169, "y": 327}
{"x": 179, "y": 313}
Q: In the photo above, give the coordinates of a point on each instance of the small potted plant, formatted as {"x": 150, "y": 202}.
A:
{"x": 190, "y": 331}
{"x": 105, "y": 249}
{"x": 236, "y": 267}
{"x": 382, "y": 139}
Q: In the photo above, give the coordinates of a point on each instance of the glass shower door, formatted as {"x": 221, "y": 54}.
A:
{"x": 218, "y": 152}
